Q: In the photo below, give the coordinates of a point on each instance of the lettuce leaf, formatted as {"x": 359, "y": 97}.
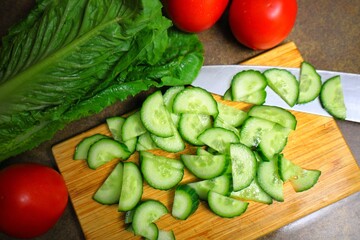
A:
{"x": 70, "y": 59}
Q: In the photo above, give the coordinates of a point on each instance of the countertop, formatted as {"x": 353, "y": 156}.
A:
{"x": 327, "y": 34}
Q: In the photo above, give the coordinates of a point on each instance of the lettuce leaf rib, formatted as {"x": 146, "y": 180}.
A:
{"x": 70, "y": 59}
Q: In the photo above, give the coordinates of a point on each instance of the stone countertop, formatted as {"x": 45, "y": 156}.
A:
{"x": 327, "y": 34}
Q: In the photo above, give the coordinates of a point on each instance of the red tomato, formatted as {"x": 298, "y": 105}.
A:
{"x": 262, "y": 24}
{"x": 32, "y": 199}
{"x": 194, "y": 15}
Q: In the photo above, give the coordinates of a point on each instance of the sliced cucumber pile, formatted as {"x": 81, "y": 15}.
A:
{"x": 249, "y": 86}
{"x": 238, "y": 160}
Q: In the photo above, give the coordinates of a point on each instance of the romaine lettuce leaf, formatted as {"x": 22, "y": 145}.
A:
{"x": 70, "y": 59}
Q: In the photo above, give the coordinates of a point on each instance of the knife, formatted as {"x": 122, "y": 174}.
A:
{"x": 217, "y": 79}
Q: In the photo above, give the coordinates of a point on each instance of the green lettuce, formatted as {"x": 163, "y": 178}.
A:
{"x": 71, "y": 59}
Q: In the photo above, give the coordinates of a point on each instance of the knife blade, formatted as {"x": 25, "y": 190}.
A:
{"x": 217, "y": 79}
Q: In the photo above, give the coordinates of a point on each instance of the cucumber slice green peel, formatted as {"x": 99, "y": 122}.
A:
{"x": 109, "y": 191}
{"x": 170, "y": 95}
{"x": 192, "y": 125}
{"x": 269, "y": 179}
{"x": 105, "y": 150}
{"x": 132, "y": 127}
{"x": 273, "y": 141}
{"x": 301, "y": 179}
{"x": 161, "y": 172}
{"x": 195, "y": 100}
{"x": 144, "y": 217}
{"x": 226, "y": 207}
{"x": 231, "y": 115}
{"x": 82, "y": 149}
{"x": 284, "y": 84}
{"x": 219, "y": 138}
{"x": 155, "y": 117}
{"x": 205, "y": 166}
{"x": 253, "y": 129}
{"x": 115, "y": 125}
{"x": 186, "y": 202}
{"x": 221, "y": 185}
{"x": 252, "y": 193}
{"x": 332, "y": 97}
{"x": 274, "y": 114}
{"x": 309, "y": 83}
{"x": 243, "y": 165}
{"x": 248, "y": 86}
{"x": 131, "y": 187}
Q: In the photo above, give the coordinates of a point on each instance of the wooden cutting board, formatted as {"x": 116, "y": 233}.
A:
{"x": 317, "y": 143}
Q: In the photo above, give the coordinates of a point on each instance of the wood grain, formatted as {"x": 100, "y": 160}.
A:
{"x": 317, "y": 143}
{"x": 286, "y": 55}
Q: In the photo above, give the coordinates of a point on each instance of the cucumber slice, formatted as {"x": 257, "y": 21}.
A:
{"x": 115, "y": 125}
{"x": 228, "y": 95}
{"x": 253, "y": 129}
{"x": 309, "y": 83}
{"x": 306, "y": 180}
{"x": 105, "y": 150}
{"x": 301, "y": 179}
{"x": 109, "y": 192}
{"x": 257, "y": 98}
{"x": 231, "y": 115}
{"x": 145, "y": 142}
{"x": 253, "y": 192}
{"x": 201, "y": 151}
{"x": 247, "y": 82}
{"x": 131, "y": 144}
{"x": 288, "y": 169}
{"x": 221, "y": 185}
{"x": 170, "y": 144}
{"x": 186, "y": 202}
{"x": 274, "y": 141}
{"x": 243, "y": 165}
{"x": 132, "y": 127}
{"x": 82, "y": 149}
{"x": 170, "y": 95}
{"x": 205, "y": 166}
{"x": 332, "y": 97}
{"x": 155, "y": 117}
{"x": 218, "y": 139}
{"x": 224, "y": 206}
{"x": 129, "y": 215}
{"x": 220, "y": 123}
{"x": 274, "y": 114}
{"x": 166, "y": 235}
{"x": 269, "y": 180}
{"x": 161, "y": 172}
{"x": 284, "y": 83}
{"x": 144, "y": 217}
{"x": 192, "y": 125}
{"x": 195, "y": 100}
{"x": 132, "y": 187}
